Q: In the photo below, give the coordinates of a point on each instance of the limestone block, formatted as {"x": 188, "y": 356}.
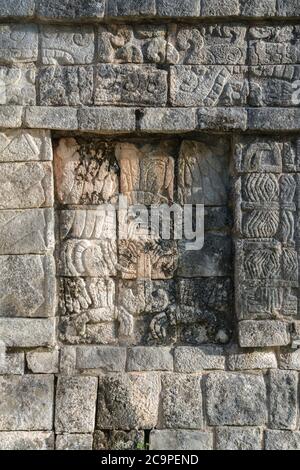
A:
{"x": 168, "y": 120}
{"x": 26, "y": 185}
{"x": 283, "y": 400}
{"x": 149, "y": 358}
{"x": 130, "y": 85}
{"x": 104, "y": 359}
{"x": 220, "y": 8}
{"x": 282, "y": 440}
{"x": 260, "y": 8}
{"x": 228, "y": 438}
{"x": 222, "y": 119}
{"x": 45, "y": 117}
{"x": 107, "y": 120}
{"x": 290, "y": 360}
{"x": 288, "y": 8}
{"x": 27, "y": 286}
{"x": 137, "y": 44}
{"x": 177, "y": 8}
{"x": 271, "y": 45}
{"x": 119, "y": 440}
{"x": 181, "y": 402}
{"x": 67, "y": 45}
{"x": 189, "y": 359}
{"x": 75, "y": 404}
{"x": 26, "y": 231}
{"x": 11, "y": 116}
{"x": 74, "y": 442}
{"x": 131, "y": 8}
{"x": 21, "y": 145}
{"x": 208, "y": 85}
{"x": 67, "y": 360}
{"x": 18, "y": 43}
{"x": 43, "y": 362}
{"x": 17, "y": 8}
{"x": 261, "y": 334}
{"x": 242, "y": 360}
{"x": 274, "y": 119}
{"x": 65, "y": 85}
{"x": 17, "y": 85}
{"x": 128, "y": 401}
{"x": 27, "y": 332}
{"x": 22, "y": 440}
{"x": 203, "y": 172}
{"x": 13, "y": 364}
{"x": 70, "y": 9}
{"x": 230, "y": 403}
{"x": 26, "y": 403}
{"x": 180, "y": 440}
{"x": 211, "y": 45}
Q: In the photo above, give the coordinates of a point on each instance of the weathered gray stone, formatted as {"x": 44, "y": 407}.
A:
{"x": 17, "y": 8}
{"x": 181, "y": 440}
{"x": 26, "y": 231}
{"x": 271, "y": 45}
{"x": 18, "y": 43}
{"x": 259, "y": 8}
{"x": 43, "y": 362}
{"x": 26, "y": 185}
{"x": 181, "y": 401}
{"x": 11, "y": 116}
{"x": 67, "y": 45}
{"x": 197, "y": 359}
{"x": 222, "y": 119}
{"x": 74, "y": 442}
{"x": 238, "y": 438}
{"x": 75, "y": 404}
{"x": 44, "y": 117}
{"x": 74, "y": 9}
{"x": 290, "y": 360}
{"x": 105, "y": 359}
{"x": 274, "y": 119}
{"x": 27, "y": 332}
{"x": 67, "y": 363}
{"x": 21, "y": 145}
{"x": 178, "y": 8}
{"x": 288, "y": 8}
{"x": 119, "y": 440}
{"x": 107, "y": 120}
{"x": 218, "y": 219}
{"x": 128, "y": 401}
{"x": 27, "y": 287}
{"x": 131, "y": 8}
{"x": 208, "y": 86}
{"x": 220, "y": 8}
{"x": 13, "y": 364}
{"x": 133, "y": 85}
{"x": 65, "y": 85}
{"x": 283, "y": 400}
{"x": 26, "y": 403}
{"x": 261, "y": 334}
{"x": 236, "y": 399}
{"x": 168, "y": 120}
{"x": 17, "y": 85}
{"x": 240, "y": 360}
{"x": 22, "y": 440}
{"x": 149, "y": 358}
{"x": 282, "y": 440}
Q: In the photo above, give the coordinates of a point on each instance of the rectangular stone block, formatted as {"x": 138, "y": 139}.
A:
{"x": 178, "y": 8}
{"x": 74, "y": 442}
{"x": 130, "y": 85}
{"x": 23, "y": 145}
{"x": 43, "y": 362}
{"x": 17, "y": 8}
{"x": 282, "y": 440}
{"x": 196, "y": 359}
{"x": 135, "y": 43}
{"x": 128, "y": 401}
{"x": 27, "y": 286}
{"x": 261, "y": 334}
{"x": 13, "y": 364}
{"x": 288, "y": 8}
{"x": 26, "y": 185}
{"x": 11, "y": 116}
{"x": 211, "y": 45}
{"x": 119, "y": 440}
{"x": 230, "y": 403}
{"x": 238, "y": 438}
{"x": 149, "y": 358}
{"x": 27, "y": 332}
{"x": 260, "y": 8}
{"x": 222, "y": 119}
{"x": 276, "y": 85}
{"x": 17, "y": 85}
{"x": 26, "y": 231}
{"x": 274, "y": 119}
{"x": 104, "y": 359}
{"x": 45, "y": 117}
{"x": 180, "y": 440}
{"x": 220, "y": 8}
{"x": 208, "y": 86}
{"x": 181, "y": 401}
{"x": 167, "y": 120}
{"x": 76, "y": 404}
{"x": 283, "y": 400}
{"x": 71, "y": 10}
{"x": 18, "y": 43}
{"x": 131, "y": 8}
{"x": 107, "y": 120}
{"x": 271, "y": 45}
{"x": 290, "y": 360}
{"x": 26, "y": 403}
{"x": 239, "y": 360}
{"x": 65, "y": 85}
{"x": 67, "y": 45}
{"x": 22, "y": 440}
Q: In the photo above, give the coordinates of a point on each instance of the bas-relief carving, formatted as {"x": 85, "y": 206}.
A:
{"x": 270, "y": 45}
{"x": 17, "y": 86}
{"x": 18, "y": 43}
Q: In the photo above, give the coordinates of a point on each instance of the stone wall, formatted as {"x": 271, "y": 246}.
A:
{"x": 117, "y": 344}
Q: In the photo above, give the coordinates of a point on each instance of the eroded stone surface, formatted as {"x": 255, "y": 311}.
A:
{"x": 18, "y": 43}
{"x": 71, "y": 9}
{"x": 21, "y": 145}
{"x": 262, "y": 334}
{"x": 22, "y": 440}
{"x": 119, "y": 440}
{"x": 17, "y": 8}
{"x": 237, "y": 438}
{"x": 74, "y": 442}
{"x": 43, "y": 362}
{"x": 282, "y": 440}
{"x": 274, "y": 45}
{"x": 149, "y": 358}
{"x": 180, "y": 440}
{"x": 104, "y": 359}
{"x": 178, "y": 8}
{"x": 131, "y": 7}
{"x": 17, "y": 85}
{"x": 196, "y": 359}
{"x": 283, "y": 400}
{"x": 27, "y": 332}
